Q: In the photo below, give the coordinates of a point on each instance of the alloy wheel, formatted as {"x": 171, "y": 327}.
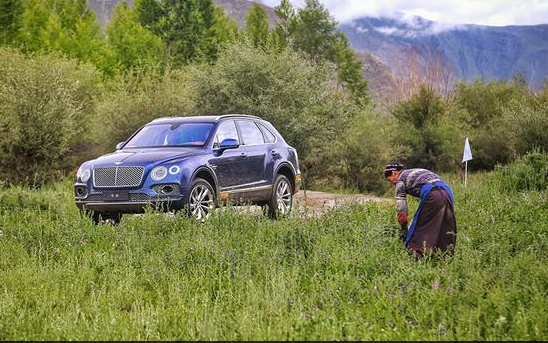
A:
{"x": 283, "y": 197}
{"x": 201, "y": 202}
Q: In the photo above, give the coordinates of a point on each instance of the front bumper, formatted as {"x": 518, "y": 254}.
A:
{"x": 134, "y": 201}
{"x": 131, "y": 206}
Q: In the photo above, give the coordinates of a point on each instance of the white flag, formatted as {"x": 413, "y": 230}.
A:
{"x": 467, "y": 156}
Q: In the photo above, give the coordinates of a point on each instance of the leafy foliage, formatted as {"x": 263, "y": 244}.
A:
{"x": 192, "y": 30}
{"x": 66, "y": 26}
{"x": 45, "y": 104}
{"x": 138, "y": 98}
{"x": 10, "y": 20}
{"x": 428, "y": 132}
{"x": 527, "y": 173}
{"x": 132, "y": 44}
{"x": 257, "y": 26}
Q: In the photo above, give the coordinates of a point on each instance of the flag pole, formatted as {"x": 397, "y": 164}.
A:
{"x": 465, "y": 172}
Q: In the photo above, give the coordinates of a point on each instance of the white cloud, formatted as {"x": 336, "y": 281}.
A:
{"x": 480, "y": 12}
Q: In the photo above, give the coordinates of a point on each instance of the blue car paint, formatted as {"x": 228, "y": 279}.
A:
{"x": 246, "y": 173}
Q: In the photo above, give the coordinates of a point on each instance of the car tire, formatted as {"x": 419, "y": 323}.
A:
{"x": 281, "y": 198}
{"x": 200, "y": 200}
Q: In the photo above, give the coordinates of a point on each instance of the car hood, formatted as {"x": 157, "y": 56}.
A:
{"x": 145, "y": 156}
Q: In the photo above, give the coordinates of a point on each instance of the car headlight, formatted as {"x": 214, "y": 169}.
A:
{"x": 84, "y": 177}
{"x": 83, "y": 174}
{"x": 158, "y": 173}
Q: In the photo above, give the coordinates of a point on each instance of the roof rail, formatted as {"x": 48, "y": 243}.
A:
{"x": 238, "y": 115}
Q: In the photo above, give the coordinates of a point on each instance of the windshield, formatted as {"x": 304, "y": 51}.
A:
{"x": 179, "y": 134}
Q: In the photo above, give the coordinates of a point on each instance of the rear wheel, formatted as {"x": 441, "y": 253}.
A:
{"x": 201, "y": 199}
{"x": 281, "y": 199}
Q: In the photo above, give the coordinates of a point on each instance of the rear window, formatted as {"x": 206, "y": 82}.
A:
{"x": 268, "y": 135}
{"x": 251, "y": 135}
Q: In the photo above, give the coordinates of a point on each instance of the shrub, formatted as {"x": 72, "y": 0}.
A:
{"x": 45, "y": 105}
{"x": 428, "y": 131}
{"x": 135, "y": 99}
{"x": 529, "y": 126}
{"x": 527, "y": 173}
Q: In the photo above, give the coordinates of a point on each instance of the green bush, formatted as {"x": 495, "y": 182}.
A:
{"x": 358, "y": 162}
{"x": 135, "y": 99}
{"x": 481, "y": 107}
{"x": 428, "y": 133}
{"x": 527, "y": 173}
{"x": 529, "y": 126}
{"x": 45, "y": 106}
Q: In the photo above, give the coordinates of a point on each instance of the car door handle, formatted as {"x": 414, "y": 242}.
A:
{"x": 274, "y": 153}
{"x": 243, "y": 155}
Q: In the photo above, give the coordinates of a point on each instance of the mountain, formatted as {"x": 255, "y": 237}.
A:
{"x": 471, "y": 51}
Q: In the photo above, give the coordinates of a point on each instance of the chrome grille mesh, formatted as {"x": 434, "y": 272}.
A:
{"x": 118, "y": 176}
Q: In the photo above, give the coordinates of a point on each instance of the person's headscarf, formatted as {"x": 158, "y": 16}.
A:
{"x": 389, "y": 168}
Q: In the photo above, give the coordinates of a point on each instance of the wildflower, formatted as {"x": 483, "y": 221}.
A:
{"x": 56, "y": 251}
{"x": 501, "y": 320}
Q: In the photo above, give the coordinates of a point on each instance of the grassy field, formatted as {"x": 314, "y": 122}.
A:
{"x": 342, "y": 276}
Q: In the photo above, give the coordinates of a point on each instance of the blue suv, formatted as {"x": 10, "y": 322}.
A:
{"x": 191, "y": 164}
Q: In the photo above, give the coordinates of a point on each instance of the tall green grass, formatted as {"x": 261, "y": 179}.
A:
{"x": 342, "y": 276}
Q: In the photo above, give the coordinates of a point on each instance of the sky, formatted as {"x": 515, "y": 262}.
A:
{"x": 479, "y": 12}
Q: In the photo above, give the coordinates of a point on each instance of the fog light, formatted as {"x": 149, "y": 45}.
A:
{"x": 167, "y": 189}
{"x": 81, "y": 192}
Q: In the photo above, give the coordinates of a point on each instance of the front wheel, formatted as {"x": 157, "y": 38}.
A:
{"x": 100, "y": 217}
{"x": 281, "y": 199}
{"x": 201, "y": 200}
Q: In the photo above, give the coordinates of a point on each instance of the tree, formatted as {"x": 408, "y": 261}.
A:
{"x": 10, "y": 19}
{"x": 416, "y": 70}
{"x": 190, "y": 29}
{"x": 313, "y": 31}
{"x": 281, "y": 33}
{"x": 257, "y": 26}
{"x": 67, "y": 26}
{"x": 132, "y": 44}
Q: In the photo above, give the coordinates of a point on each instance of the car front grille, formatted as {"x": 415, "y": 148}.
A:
{"x": 118, "y": 176}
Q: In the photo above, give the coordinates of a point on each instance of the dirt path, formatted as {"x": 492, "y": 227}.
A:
{"x": 319, "y": 202}
{"x": 313, "y": 203}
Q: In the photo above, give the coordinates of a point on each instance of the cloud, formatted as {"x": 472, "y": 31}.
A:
{"x": 480, "y": 12}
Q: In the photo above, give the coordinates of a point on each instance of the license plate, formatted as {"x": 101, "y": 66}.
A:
{"x": 115, "y": 196}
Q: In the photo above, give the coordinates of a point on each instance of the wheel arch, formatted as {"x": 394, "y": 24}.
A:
{"x": 287, "y": 170}
{"x": 207, "y": 174}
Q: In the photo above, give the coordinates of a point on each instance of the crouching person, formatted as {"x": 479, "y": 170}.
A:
{"x": 434, "y": 226}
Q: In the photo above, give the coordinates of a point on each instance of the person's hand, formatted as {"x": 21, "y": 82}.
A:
{"x": 402, "y": 218}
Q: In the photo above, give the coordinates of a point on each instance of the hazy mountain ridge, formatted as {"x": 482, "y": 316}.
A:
{"x": 471, "y": 50}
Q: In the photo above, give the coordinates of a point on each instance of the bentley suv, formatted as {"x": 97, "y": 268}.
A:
{"x": 192, "y": 164}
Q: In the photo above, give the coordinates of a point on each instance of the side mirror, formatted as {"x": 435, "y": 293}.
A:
{"x": 229, "y": 143}
{"x": 120, "y": 145}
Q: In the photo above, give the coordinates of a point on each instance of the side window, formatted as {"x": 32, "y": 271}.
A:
{"x": 250, "y": 133}
{"x": 269, "y": 136}
{"x": 227, "y": 130}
